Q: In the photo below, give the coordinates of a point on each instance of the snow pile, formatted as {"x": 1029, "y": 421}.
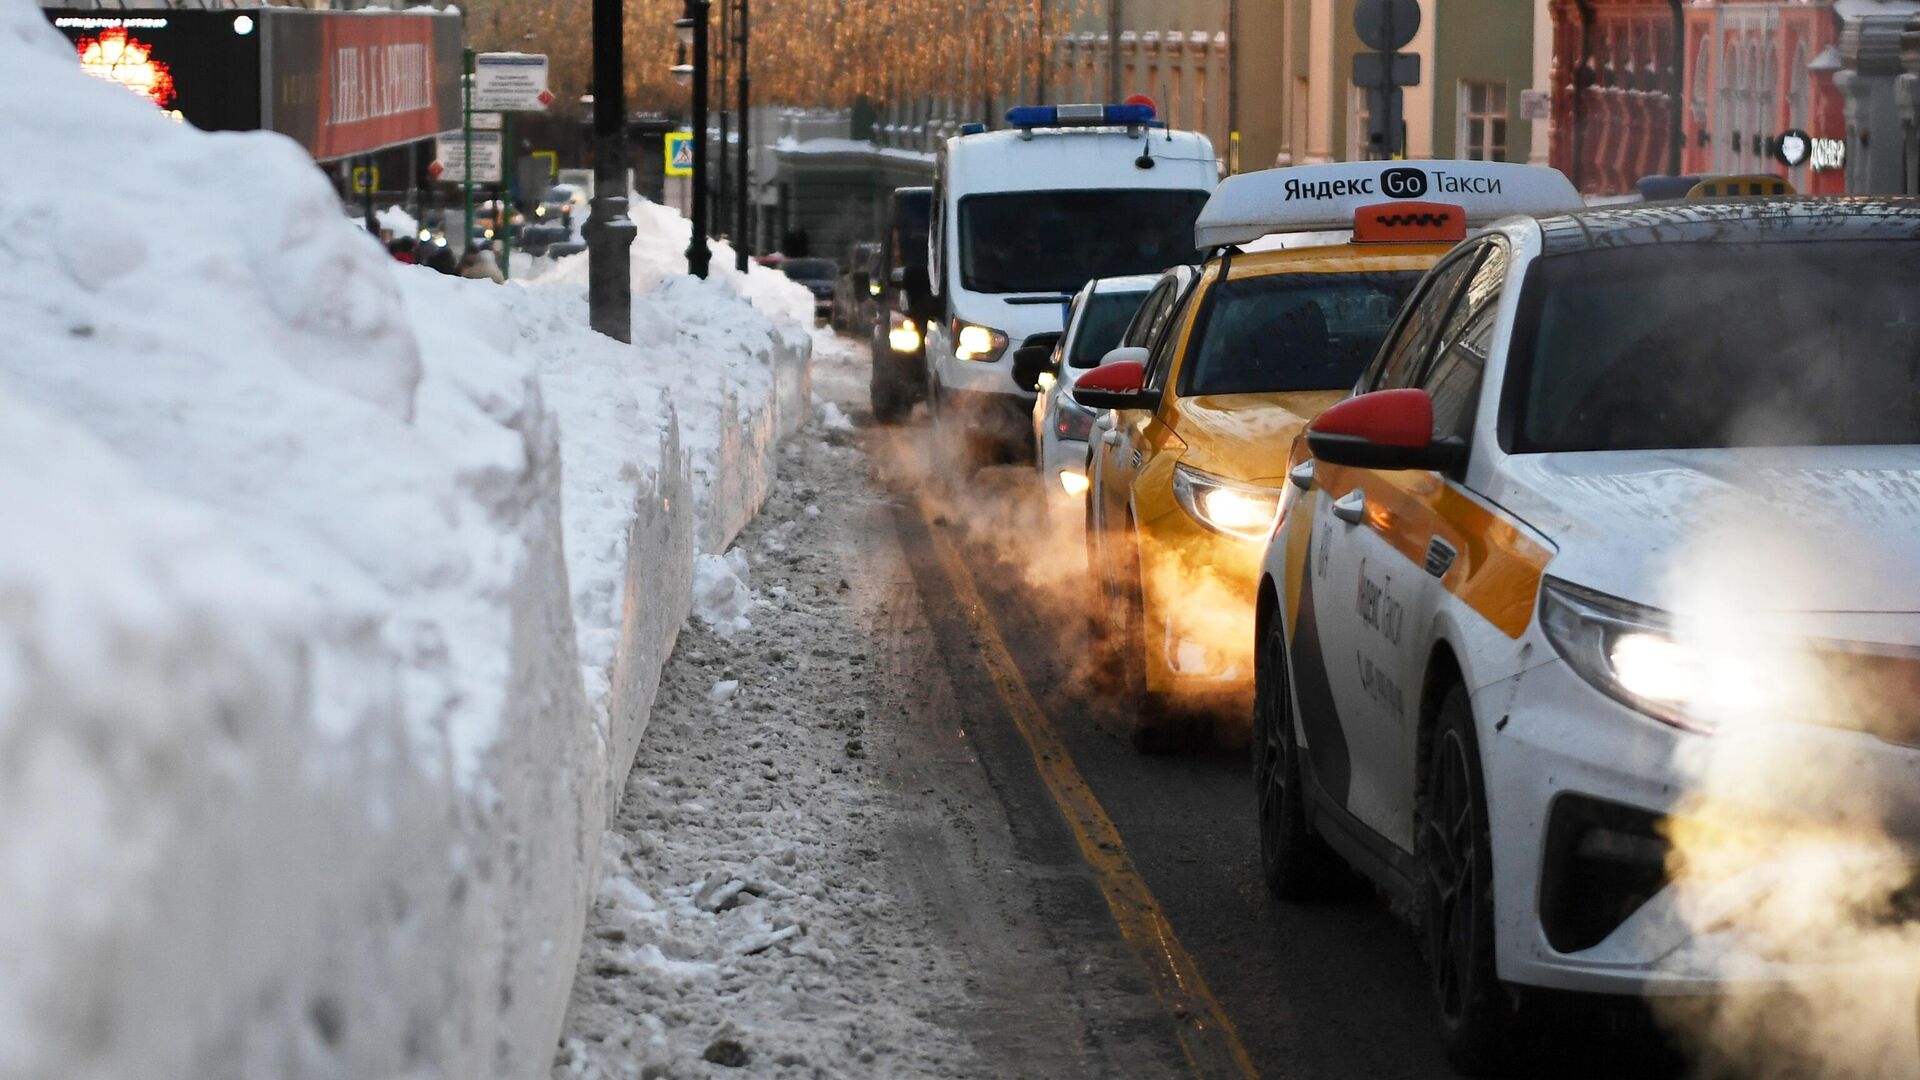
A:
{"x": 660, "y": 252}
{"x": 301, "y": 775}
{"x": 721, "y": 598}
{"x": 397, "y": 221}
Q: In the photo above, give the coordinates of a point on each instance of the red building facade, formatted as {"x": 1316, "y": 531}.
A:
{"x": 1617, "y": 88}
{"x": 1655, "y": 87}
{"x": 1757, "y": 69}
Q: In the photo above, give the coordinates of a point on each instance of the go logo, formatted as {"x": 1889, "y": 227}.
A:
{"x": 1403, "y": 183}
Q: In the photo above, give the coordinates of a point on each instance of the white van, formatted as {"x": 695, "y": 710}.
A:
{"x": 1022, "y": 218}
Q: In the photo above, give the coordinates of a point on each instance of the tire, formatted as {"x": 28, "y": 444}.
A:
{"x": 1295, "y": 862}
{"x": 1477, "y": 1013}
{"x": 890, "y": 403}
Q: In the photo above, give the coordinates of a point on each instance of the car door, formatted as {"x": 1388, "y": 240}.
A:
{"x": 1140, "y": 432}
{"x": 1367, "y": 592}
{"x": 1101, "y": 496}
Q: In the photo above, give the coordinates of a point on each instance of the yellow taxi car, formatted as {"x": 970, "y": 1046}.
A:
{"x": 1188, "y": 466}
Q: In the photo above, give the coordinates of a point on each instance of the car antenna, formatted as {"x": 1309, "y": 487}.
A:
{"x": 1145, "y": 160}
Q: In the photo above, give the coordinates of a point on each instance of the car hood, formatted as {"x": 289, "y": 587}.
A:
{"x": 1247, "y": 436}
{"x": 1825, "y": 529}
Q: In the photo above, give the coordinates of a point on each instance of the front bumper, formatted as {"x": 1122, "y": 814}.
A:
{"x": 1198, "y": 590}
{"x": 1594, "y": 810}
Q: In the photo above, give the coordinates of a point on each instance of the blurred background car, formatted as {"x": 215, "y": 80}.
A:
{"x": 905, "y": 303}
{"x": 1098, "y": 322}
{"x": 818, "y": 276}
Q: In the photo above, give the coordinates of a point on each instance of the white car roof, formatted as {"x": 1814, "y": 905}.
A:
{"x": 1055, "y": 159}
{"x": 1124, "y": 283}
{"x": 1317, "y": 198}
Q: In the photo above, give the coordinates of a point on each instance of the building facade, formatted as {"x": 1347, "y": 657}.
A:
{"x": 1757, "y": 69}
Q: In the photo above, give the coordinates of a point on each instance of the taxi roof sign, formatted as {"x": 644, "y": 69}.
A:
{"x": 1746, "y": 185}
{"x": 1308, "y": 198}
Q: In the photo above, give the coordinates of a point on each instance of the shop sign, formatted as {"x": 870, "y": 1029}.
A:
{"x": 1795, "y": 148}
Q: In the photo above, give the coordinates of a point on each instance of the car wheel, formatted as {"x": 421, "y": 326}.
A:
{"x": 1154, "y": 729}
{"x": 1456, "y": 864}
{"x": 1296, "y": 863}
{"x": 889, "y": 402}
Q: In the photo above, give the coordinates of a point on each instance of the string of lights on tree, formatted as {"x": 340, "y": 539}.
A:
{"x": 826, "y": 53}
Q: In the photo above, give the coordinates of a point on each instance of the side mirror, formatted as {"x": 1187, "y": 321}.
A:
{"x": 1387, "y": 429}
{"x": 1118, "y": 385}
{"x": 1032, "y": 359}
{"x": 897, "y": 277}
{"x": 1131, "y": 354}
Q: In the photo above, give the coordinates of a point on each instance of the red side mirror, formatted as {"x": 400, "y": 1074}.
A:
{"x": 1387, "y": 429}
{"x": 1119, "y": 385}
{"x": 1121, "y": 377}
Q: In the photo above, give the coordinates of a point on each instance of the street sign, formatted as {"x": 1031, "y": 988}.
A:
{"x": 486, "y": 121}
{"x": 489, "y": 157}
{"x": 366, "y": 178}
{"x": 1372, "y": 69}
{"x": 552, "y": 158}
{"x": 1536, "y": 104}
{"x": 1386, "y": 25}
{"x": 510, "y": 82}
{"x": 679, "y": 153}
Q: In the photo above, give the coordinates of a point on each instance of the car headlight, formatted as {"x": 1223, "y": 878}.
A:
{"x": 903, "y": 336}
{"x": 1631, "y": 653}
{"x": 1074, "y": 482}
{"x": 1242, "y": 511}
{"x": 972, "y": 341}
{"x": 1070, "y": 421}
{"x": 873, "y": 288}
{"x": 539, "y": 211}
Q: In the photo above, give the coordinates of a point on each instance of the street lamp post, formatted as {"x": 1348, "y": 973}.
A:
{"x": 742, "y": 239}
{"x": 609, "y": 231}
{"x": 693, "y": 32}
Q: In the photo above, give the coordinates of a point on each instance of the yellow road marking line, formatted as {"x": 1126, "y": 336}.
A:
{"x": 1212, "y": 1046}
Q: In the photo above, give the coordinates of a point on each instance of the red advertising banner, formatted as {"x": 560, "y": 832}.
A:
{"x": 378, "y": 88}
{"x": 348, "y": 82}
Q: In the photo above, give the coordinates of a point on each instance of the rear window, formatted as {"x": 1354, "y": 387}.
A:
{"x": 1288, "y": 332}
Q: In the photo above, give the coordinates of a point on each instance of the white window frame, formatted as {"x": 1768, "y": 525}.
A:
{"x": 1463, "y": 145}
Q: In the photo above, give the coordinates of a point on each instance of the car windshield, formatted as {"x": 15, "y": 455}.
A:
{"x": 1285, "y": 332}
{"x": 1714, "y": 345}
{"x": 1055, "y": 241}
{"x": 1102, "y": 321}
{"x": 910, "y": 213}
{"x": 809, "y": 269}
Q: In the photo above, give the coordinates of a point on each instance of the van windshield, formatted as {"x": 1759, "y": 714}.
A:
{"x": 1056, "y": 241}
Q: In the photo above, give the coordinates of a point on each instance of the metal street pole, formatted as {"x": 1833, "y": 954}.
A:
{"x": 742, "y": 237}
{"x": 609, "y": 231}
{"x": 722, "y": 189}
{"x": 699, "y": 255}
{"x": 466, "y": 129}
{"x": 1113, "y": 50}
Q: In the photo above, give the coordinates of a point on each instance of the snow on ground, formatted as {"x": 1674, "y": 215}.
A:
{"x": 301, "y": 639}
{"x": 746, "y": 917}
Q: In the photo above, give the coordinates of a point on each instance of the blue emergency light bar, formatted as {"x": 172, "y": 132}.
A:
{"x": 1033, "y": 116}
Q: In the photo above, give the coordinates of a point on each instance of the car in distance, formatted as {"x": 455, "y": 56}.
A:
{"x": 817, "y": 275}
{"x": 1097, "y": 321}
{"x": 1591, "y": 619}
{"x": 899, "y": 375}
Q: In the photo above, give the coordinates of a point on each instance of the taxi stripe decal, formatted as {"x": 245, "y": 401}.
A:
{"x": 1313, "y": 695}
{"x": 1497, "y": 568}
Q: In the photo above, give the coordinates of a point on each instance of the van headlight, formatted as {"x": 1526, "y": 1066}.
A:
{"x": 971, "y": 341}
{"x": 1228, "y": 507}
{"x": 1632, "y": 654}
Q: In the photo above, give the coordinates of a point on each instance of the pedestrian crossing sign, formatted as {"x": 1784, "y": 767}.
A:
{"x": 679, "y": 153}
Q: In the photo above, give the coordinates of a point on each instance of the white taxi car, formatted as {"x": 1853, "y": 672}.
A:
{"x": 1097, "y": 319}
{"x": 1616, "y": 548}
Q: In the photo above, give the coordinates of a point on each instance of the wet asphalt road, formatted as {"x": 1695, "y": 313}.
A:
{"x": 1334, "y": 990}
